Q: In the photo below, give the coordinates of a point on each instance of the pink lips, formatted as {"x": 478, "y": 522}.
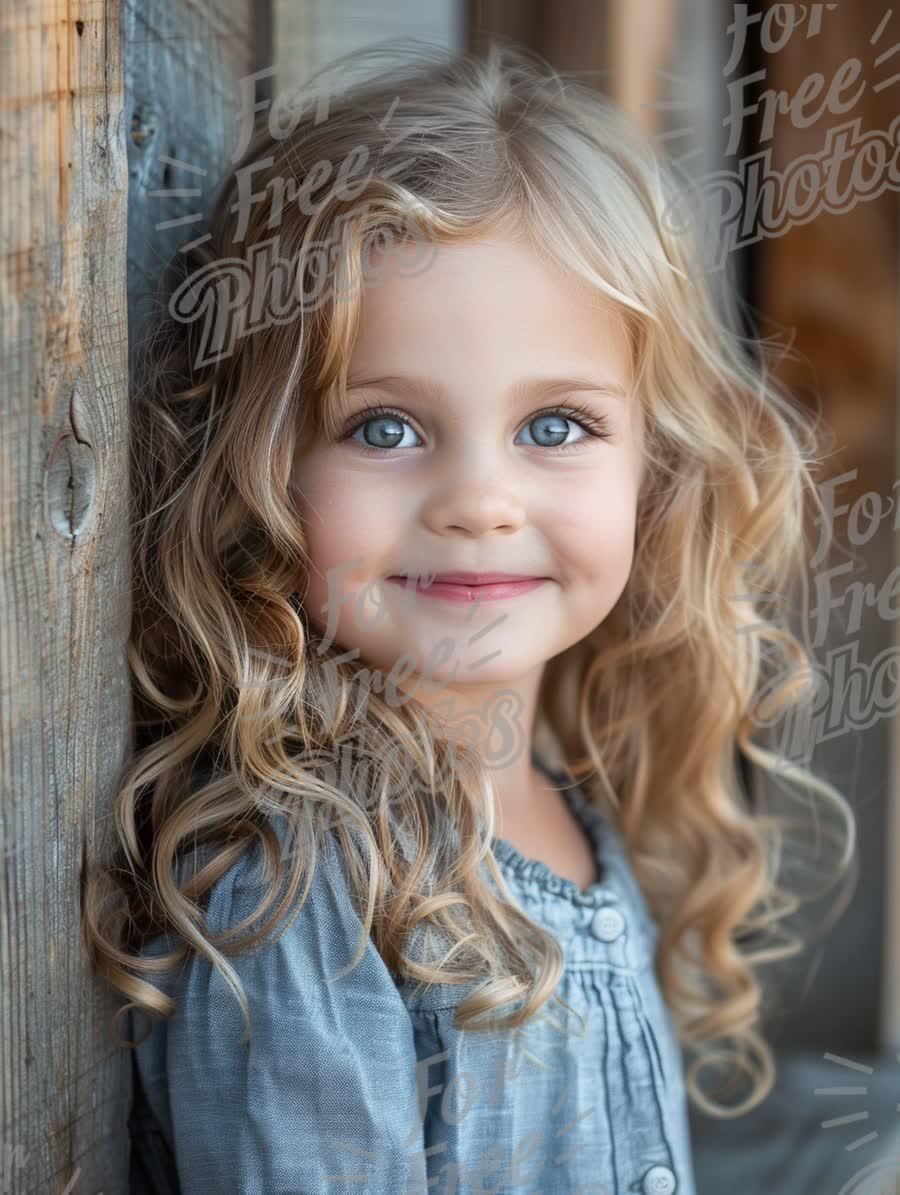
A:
{"x": 474, "y": 587}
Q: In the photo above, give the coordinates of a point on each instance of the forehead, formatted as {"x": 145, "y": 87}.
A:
{"x": 484, "y": 304}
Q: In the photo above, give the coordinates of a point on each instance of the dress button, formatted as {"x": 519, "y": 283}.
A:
{"x": 608, "y": 924}
{"x": 659, "y": 1180}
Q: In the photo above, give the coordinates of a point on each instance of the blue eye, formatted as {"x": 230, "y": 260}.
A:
{"x": 388, "y": 431}
{"x": 553, "y": 426}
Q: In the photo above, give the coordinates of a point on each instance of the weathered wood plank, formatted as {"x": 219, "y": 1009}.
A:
{"x": 80, "y": 148}
{"x": 183, "y": 69}
{"x": 188, "y": 69}
{"x": 64, "y": 578}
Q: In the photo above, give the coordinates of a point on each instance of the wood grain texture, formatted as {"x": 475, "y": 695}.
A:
{"x": 80, "y": 142}
{"x": 187, "y": 67}
{"x": 183, "y": 64}
{"x": 63, "y": 571}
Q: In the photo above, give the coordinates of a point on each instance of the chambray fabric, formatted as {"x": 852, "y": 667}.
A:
{"x": 354, "y": 1084}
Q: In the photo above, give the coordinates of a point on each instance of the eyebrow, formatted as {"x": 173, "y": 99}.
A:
{"x": 517, "y": 392}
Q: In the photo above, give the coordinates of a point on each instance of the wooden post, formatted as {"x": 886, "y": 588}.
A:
{"x": 87, "y": 123}
{"x": 64, "y": 722}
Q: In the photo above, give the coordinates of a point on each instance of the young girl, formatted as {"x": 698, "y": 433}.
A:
{"x": 457, "y": 509}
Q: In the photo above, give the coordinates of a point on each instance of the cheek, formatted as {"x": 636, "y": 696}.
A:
{"x": 325, "y": 511}
{"x": 347, "y": 540}
{"x": 340, "y": 506}
{"x": 596, "y": 540}
{"x": 341, "y": 531}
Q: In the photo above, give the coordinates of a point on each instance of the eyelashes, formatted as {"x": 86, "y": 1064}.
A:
{"x": 596, "y": 427}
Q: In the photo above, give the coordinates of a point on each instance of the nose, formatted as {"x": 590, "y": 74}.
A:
{"x": 469, "y": 509}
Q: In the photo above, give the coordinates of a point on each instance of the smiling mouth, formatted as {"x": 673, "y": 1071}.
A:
{"x": 457, "y": 587}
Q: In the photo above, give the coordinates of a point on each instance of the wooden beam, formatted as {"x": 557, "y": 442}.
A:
{"x": 64, "y": 601}
{"x": 85, "y": 138}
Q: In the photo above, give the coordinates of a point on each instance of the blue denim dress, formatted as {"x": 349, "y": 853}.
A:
{"x": 357, "y": 1085}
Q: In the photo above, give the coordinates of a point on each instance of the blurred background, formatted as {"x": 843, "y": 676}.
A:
{"x": 118, "y": 119}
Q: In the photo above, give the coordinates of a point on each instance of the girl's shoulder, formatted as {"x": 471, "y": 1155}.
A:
{"x": 311, "y": 929}
{"x": 323, "y": 1041}
{"x": 251, "y": 874}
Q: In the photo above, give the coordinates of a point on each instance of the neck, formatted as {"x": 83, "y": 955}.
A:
{"x": 498, "y": 721}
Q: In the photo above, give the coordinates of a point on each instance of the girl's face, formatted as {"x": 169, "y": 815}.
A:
{"x": 477, "y": 469}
